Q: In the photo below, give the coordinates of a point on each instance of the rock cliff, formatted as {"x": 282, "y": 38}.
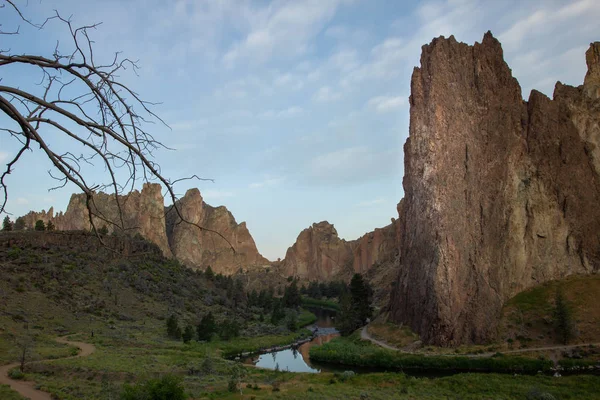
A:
{"x": 318, "y": 254}
{"x": 201, "y": 248}
{"x": 144, "y": 213}
{"x": 500, "y": 194}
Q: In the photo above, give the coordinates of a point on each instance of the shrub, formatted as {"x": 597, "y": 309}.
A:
{"x": 15, "y": 373}
{"x": 168, "y": 387}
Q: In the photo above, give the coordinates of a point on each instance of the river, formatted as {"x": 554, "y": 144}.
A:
{"x": 297, "y": 359}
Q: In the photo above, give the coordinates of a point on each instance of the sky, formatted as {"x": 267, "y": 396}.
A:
{"x": 298, "y": 110}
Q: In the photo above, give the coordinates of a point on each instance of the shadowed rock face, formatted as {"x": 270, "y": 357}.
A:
{"x": 500, "y": 194}
{"x": 202, "y": 248}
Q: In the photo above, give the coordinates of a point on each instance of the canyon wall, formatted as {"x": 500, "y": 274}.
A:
{"x": 500, "y": 194}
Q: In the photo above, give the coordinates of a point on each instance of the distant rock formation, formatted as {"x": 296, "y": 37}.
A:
{"x": 500, "y": 194}
{"x": 144, "y": 213}
{"x": 202, "y": 248}
{"x": 319, "y": 254}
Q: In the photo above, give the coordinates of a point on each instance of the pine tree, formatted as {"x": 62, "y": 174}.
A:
{"x": 50, "y": 226}
{"x": 188, "y": 334}
{"x": 39, "y": 225}
{"x": 207, "y": 327}
{"x": 7, "y": 225}
{"x": 563, "y": 318}
{"x": 291, "y": 296}
{"x": 210, "y": 275}
{"x": 19, "y": 224}
{"x": 173, "y": 330}
{"x": 103, "y": 231}
{"x": 355, "y": 306}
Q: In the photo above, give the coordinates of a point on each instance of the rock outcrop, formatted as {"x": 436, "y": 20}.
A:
{"x": 223, "y": 244}
{"x": 318, "y": 254}
{"x": 500, "y": 194}
{"x": 144, "y": 213}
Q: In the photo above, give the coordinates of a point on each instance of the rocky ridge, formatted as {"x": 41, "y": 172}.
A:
{"x": 143, "y": 212}
{"x": 501, "y": 194}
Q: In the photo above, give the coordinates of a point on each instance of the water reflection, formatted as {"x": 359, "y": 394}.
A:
{"x": 288, "y": 360}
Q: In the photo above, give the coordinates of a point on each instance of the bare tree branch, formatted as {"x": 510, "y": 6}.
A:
{"x": 85, "y": 101}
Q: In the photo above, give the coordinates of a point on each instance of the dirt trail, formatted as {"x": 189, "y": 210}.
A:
{"x": 27, "y": 389}
{"x": 364, "y": 334}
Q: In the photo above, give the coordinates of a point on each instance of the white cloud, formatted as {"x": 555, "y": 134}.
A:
{"x": 383, "y": 104}
{"x": 546, "y": 19}
{"x": 326, "y": 95}
{"x": 282, "y": 29}
{"x": 3, "y": 156}
{"x": 266, "y": 183}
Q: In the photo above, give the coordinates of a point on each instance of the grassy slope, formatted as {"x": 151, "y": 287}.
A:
{"x": 56, "y": 290}
{"x": 527, "y": 317}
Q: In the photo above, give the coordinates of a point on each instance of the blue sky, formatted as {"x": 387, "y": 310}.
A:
{"x": 297, "y": 109}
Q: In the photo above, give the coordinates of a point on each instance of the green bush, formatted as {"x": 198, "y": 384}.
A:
{"x": 355, "y": 353}
{"x": 169, "y": 387}
{"x": 15, "y": 373}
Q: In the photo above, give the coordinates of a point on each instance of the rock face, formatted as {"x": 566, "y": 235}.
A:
{"x": 500, "y": 194}
{"x": 144, "y": 213}
{"x": 318, "y": 254}
{"x": 201, "y": 248}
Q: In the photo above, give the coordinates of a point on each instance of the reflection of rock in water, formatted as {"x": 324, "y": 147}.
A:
{"x": 319, "y": 340}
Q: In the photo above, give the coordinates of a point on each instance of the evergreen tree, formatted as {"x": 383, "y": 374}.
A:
{"x": 39, "y": 225}
{"x": 346, "y": 321}
{"x": 355, "y": 306}
{"x": 362, "y": 295}
{"x": 210, "y": 275}
{"x": 238, "y": 294}
{"x": 278, "y": 313}
{"x": 292, "y": 321}
{"x": 19, "y": 224}
{"x": 103, "y": 231}
{"x": 291, "y": 296}
{"x": 50, "y": 226}
{"x": 188, "y": 334}
{"x": 173, "y": 330}
{"x": 207, "y": 327}
{"x": 563, "y": 318}
{"x": 229, "y": 329}
{"x": 7, "y": 225}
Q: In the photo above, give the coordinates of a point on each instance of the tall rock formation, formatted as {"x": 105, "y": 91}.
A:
{"x": 205, "y": 247}
{"x": 318, "y": 254}
{"x": 500, "y": 194}
{"x": 144, "y": 213}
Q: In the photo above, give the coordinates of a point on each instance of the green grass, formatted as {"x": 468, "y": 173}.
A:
{"x": 6, "y": 393}
{"x": 328, "y": 304}
{"x": 353, "y": 352}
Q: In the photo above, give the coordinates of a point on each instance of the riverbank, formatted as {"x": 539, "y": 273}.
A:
{"x": 353, "y": 352}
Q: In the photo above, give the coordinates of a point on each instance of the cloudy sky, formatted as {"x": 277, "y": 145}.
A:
{"x": 297, "y": 109}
